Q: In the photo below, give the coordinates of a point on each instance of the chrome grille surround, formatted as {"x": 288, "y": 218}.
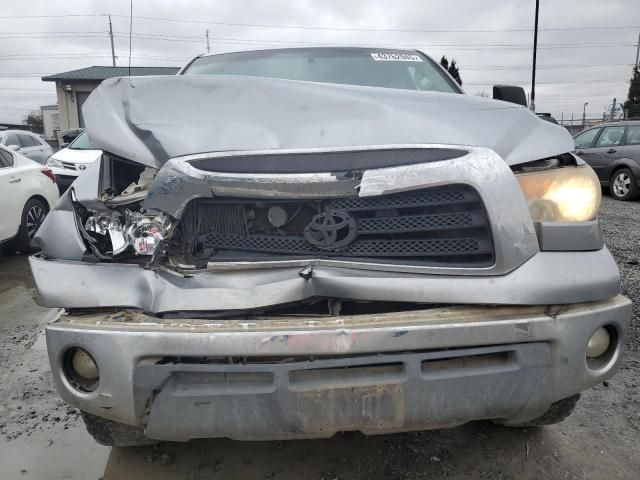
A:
{"x": 512, "y": 230}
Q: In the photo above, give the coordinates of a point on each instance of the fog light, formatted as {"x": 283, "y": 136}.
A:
{"x": 84, "y": 365}
{"x": 81, "y": 370}
{"x": 598, "y": 343}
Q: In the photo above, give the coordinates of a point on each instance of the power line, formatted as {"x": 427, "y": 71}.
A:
{"x": 8, "y": 37}
{"x": 22, "y": 89}
{"x": 196, "y": 39}
{"x": 303, "y": 42}
{"x": 519, "y": 67}
{"x": 313, "y": 27}
{"x": 81, "y": 56}
{"x": 554, "y": 83}
{"x": 30, "y": 74}
{"x": 19, "y": 17}
{"x": 18, "y": 108}
{"x": 20, "y": 95}
{"x": 52, "y": 32}
{"x": 19, "y": 56}
{"x": 319, "y": 27}
{"x": 359, "y": 29}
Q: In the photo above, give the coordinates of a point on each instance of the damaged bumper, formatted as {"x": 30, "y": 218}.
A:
{"x": 285, "y": 377}
{"x": 547, "y": 278}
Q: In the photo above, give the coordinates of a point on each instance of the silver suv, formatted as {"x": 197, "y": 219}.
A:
{"x": 613, "y": 151}
{"x": 290, "y": 243}
{"x": 28, "y": 144}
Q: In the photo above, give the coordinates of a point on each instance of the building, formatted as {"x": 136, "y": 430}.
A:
{"x": 73, "y": 88}
{"x": 50, "y": 122}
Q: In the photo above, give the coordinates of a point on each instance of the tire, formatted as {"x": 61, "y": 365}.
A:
{"x": 557, "y": 412}
{"x": 33, "y": 215}
{"x": 624, "y": 185}
{"x": 114, "y": 434}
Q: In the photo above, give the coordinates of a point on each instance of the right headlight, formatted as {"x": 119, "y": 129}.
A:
{"x": 53, "y": 162}
{"x": 566, "y": 194}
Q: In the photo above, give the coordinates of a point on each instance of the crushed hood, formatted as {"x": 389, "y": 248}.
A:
{"x": 152, "y": 119}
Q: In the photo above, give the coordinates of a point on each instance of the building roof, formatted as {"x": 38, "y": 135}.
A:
{"x": 48, "y": 107}
{"x": 99, "y": 73}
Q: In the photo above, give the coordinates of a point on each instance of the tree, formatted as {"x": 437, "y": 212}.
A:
{"x": 452, "y": 69}
{"x": 34, "y": 120}
{"x": 632, "y": 105}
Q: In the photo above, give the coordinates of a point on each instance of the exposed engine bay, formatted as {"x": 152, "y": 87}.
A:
{"x": 121, "y": 227}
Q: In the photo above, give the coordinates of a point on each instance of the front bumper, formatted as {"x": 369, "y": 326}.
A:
{"x": 313, "y": 377}
{"x": 547, "y": 278}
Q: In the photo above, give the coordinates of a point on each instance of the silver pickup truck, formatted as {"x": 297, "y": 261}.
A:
{"x": 290, "y": 243}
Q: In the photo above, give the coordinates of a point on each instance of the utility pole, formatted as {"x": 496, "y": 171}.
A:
{"x": 113, "y": 52}
{"x": 532, "y": 106}
{"x": 638, "y": 51}
{"x": 208, "y": 47}
{"x": 584, "y": 114}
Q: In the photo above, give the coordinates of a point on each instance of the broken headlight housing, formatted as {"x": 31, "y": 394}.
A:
{"x": 128, "y": 230}
{"x": 564, "y": 194}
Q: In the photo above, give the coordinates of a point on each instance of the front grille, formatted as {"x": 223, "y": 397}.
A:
{"x": 435, "y": 226}
{"x": 68, "y": 166}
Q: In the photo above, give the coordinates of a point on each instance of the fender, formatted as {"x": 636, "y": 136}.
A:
{"x": 619, "y": 163}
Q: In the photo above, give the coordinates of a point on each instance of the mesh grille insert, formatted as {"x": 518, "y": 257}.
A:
{"x": 435, "y": 226}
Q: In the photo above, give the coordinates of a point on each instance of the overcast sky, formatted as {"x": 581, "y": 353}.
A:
{"x": 490, "y": 39}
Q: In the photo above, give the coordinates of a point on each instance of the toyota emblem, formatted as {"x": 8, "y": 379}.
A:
{"x": 331, "y": 230}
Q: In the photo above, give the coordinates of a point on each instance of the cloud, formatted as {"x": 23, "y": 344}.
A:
{"x": 490, "y": 39}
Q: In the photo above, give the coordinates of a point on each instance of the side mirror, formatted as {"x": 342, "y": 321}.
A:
{"x": 64, "y": 145}
{"x": 15, "y": 148}
{"x": 510, "y": 93}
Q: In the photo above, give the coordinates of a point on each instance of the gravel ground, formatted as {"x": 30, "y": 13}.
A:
{"x": 621, "y": 228}
{"x": 42, "y": 438}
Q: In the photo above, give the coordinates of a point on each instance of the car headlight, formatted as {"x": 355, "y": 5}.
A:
{"x": 53, "y": 162}
{"x": 567, "y": 194}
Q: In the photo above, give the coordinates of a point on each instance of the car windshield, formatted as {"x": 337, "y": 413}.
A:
{"x": 408, "y": 70}
{"x": 82, "y": 143}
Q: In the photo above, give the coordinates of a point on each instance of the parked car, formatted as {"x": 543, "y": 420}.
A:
{"x": 290, "y": 243}
{"x": 28, "y": 144}
{"x": 613, "y": 151}
{"x": 69, "y": 136}
{"x": 27, "y": 193}
{"x": 71, "y": 161}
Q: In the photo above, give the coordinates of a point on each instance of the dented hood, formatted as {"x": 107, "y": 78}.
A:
{"x": 152, "y": 119}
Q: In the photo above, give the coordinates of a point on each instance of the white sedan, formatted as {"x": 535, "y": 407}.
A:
{"x": 70, "y": 162}
{"x": 27, "y": 192}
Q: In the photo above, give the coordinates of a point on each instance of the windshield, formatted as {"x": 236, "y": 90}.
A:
{"x": 408, "y": 70}
{"x": 82, "y": 143}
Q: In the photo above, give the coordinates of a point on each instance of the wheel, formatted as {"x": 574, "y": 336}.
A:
{"x": 114, "y": 434}
{"x": 557, "y": 412}
{"x": 624, "y": 185}
{"x": 33, "y": 215}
